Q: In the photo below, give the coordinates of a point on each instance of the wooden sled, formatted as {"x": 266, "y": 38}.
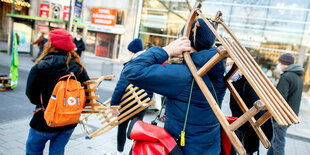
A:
{"x": 132, "y": 102}
{"x": 270, "y": 99}
{"x": 90, "y": 87}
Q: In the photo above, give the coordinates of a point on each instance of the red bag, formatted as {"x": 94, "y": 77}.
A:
{"x": 225, "y": 142}
{"x": 151, "y": 140}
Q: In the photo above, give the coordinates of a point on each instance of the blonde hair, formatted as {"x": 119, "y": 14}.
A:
{"x": 49, "y": 48}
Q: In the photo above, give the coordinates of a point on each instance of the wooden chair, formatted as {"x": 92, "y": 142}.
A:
{"x": 132, "y": 102}
{"x": 270, "y": 99}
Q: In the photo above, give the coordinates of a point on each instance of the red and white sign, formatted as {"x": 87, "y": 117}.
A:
{"x": 44, "y": 10}
{"x": 103, "y": 16}
{"x": 66, "y": 13}
{"x": 43, "y": 28}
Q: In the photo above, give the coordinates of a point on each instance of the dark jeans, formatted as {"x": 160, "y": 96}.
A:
{"x": 58, "y": 140}
{"x": 278, "y": 140}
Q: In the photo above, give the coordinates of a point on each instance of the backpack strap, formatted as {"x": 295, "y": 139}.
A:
{"x": 41, "y": 108}
{"x": 68, "y": 78}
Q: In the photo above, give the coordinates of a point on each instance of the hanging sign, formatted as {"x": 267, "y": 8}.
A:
{"x": 44, "y": 10}
{"x": 104, "y": 16}
{"x": 77, "y": 10}
{"x": 66, "y": 13}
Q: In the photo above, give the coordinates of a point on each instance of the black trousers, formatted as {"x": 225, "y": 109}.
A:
{"x": 122, "y": 128}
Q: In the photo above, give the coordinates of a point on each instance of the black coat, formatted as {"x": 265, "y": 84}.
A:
{"x": 41, "y": 80}
{"x": 246, "y": 133}
{"x": 80, "y": 45}
{"x": 291, "y": 85}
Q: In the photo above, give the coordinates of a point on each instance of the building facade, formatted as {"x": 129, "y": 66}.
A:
{"x": 111, "y": 26}
{"x": 267, "y": 28}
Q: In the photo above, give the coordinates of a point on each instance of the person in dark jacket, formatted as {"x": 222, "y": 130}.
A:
{"x": 246, "y": 133}
{"x": 40, "y": 42}
{"x": 290, "y": 87}
{"x": 202, "y": 133}
{"x": 134, "y": 47}
{"x": 58, "y": 59}
{"x": 79, "y": 43}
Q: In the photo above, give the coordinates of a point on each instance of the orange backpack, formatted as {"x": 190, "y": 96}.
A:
{"x": 66, "y": 103}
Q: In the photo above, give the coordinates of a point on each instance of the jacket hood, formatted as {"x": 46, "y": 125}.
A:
{"x": 294, "y": 68}
{"x": 54, "y": 64}
{"x": 202, "y": 57}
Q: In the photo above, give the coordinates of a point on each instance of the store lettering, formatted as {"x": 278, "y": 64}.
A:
{"x": 98, "y": 15}
{"x": 103, "y": 21}
{"x": 103, "y": 16}
{"x": 105, "y": 11}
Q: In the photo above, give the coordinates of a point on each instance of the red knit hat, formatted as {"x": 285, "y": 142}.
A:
{"x": 61, "y": 39}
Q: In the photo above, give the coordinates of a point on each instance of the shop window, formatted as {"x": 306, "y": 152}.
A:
{"x": 120, "y": 19}
{"x": 91, "y": 41}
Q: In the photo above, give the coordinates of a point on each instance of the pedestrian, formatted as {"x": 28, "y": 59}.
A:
{"x": 58, "y": 59}
{"x": 290, "y": 87}
{"x": 40, "y": 42}
{"x": 246, "y": 133}
{"x": 202, "y": 129}
{"x": 135, "y": 47}
{"x": 79, "y": 44}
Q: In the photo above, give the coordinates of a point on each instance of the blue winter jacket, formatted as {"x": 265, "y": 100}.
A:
{"x": 202, "y": 134}
{"x": 119, "y": 91}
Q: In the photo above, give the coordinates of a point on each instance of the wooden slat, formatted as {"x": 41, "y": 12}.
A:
{"x": 263, "y": 119}
{"x": 231, "y": 72}
{"x": 128, "y": 93}
{"x": 258, "y": 106}
{"x": 92, "y": 97}
{"x": 91, "y": 90}
{"x": 214, "y": 60}
{"x": 131, "y": 97}
{"x": 101, "y": 130}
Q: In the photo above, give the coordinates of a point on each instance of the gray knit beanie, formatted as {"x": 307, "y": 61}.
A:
{"x": 286, "y": 59}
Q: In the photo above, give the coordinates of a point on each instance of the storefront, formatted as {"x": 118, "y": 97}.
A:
{"x": 266, "y": 28}
{"x": 107, "y": 22}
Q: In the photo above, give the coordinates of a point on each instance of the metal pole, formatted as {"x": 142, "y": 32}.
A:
{"x": 138, "y": 18}
{"x": 70, "y": 21}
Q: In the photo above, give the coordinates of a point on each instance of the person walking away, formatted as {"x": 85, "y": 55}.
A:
{"x": 290, "y": 87}
{"x": 79, "y": 43}
{"x": 134, "y": 47}
{"x": 40, "y": 42}
{"x": 202, "y": 131}
{"x": 58, "y": 59}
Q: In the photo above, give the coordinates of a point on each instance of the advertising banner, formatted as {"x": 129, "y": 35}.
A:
{"x": 44, "y": 10}
{"x": 24, "y": 32}
{"x": 104, "y": 16}
{"x": 78, "y": 5}
{"x": 66, "y": 13}
{"x": 43, "y": 28}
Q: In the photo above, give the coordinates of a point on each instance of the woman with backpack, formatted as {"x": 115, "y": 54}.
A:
{"x": 58, "y": 59}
